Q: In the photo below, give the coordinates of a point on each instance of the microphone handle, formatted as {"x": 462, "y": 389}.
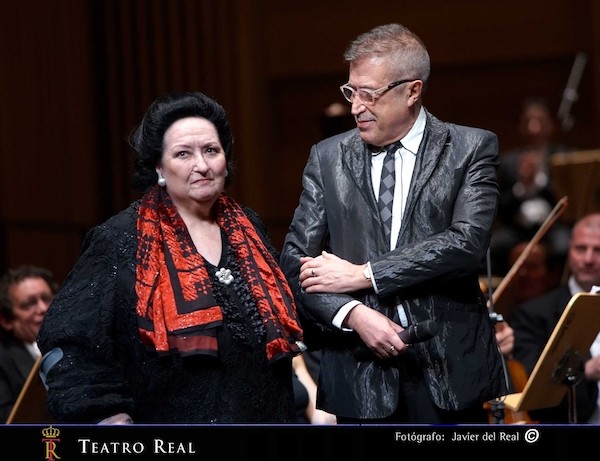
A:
{"x": 408, "y": 335}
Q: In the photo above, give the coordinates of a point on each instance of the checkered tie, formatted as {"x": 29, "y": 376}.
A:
{"x": 386, "y": 190}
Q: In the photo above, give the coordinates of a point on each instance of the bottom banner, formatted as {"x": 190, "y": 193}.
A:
{"x": 288, "y": 442}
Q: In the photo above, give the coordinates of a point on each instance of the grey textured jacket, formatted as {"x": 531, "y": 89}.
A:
{"x": 433, "y": 272}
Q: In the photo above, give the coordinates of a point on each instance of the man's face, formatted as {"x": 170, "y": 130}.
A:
{"x": 389, "y": 118}
{"x": 533, "y": 277}
{"x": 584, "y": 256}
{"x": 30, "y": 301}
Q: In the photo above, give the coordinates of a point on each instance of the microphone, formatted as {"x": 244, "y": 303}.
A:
{"x": 416, "y": 333}
{"x": 419, "y": 332}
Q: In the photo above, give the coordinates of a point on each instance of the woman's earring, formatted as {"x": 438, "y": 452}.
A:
{"x": 162, "y": 182}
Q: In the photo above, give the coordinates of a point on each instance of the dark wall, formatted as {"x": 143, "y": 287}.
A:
{"x": 76, "y": 76}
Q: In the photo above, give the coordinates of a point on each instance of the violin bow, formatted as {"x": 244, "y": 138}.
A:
{"x": 556, "y": 212}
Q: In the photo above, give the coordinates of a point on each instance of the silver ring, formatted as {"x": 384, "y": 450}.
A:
{"x": 392, "y": 348}
{"x": 313, "y": 273}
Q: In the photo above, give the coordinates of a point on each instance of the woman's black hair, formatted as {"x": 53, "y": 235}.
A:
{"x": 147, "y": 139}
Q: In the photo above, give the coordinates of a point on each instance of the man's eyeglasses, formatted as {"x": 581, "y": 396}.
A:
{"x": 369, "y": 96}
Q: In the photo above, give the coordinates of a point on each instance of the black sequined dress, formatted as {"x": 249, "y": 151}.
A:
{"x": 107, "y": 370}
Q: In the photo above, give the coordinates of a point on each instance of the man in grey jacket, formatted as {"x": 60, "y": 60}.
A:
{"x": 358, "y": 289}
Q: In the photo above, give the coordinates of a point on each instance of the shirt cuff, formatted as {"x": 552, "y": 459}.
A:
{"x": 371, "y": 278}
{"x": 118, "y": 419}
{"x": 339, "y": 318}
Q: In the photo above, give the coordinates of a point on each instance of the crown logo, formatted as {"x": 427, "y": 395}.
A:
{"x": 51, "y": 432}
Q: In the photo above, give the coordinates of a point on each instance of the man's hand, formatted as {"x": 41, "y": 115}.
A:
{"x": 377, "y": 331}
{"x": 328, "y": 273}
{"x": 505, "y": 337}
{"x": 592, "y": 369}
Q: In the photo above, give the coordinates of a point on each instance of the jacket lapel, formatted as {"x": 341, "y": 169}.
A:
{"x": 428, "y": 157}
{"x": 356, "y": 164}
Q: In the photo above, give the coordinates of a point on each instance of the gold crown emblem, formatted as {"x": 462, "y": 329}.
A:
{"x": 51, "y": 432}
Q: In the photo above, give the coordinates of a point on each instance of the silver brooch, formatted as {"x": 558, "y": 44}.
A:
{"x": 224, "y": 276}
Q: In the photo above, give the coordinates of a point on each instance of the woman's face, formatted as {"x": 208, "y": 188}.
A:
{"x": 193, "y": 163}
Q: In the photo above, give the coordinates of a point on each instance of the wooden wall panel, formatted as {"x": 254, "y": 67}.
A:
{"x": 76, "y": 75}
{"x": 47, "y": 130}
{"x": 50, "y": 245}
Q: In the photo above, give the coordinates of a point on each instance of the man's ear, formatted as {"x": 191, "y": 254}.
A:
{"x": 6, "y": 324}
{"x": 416, "y": 90}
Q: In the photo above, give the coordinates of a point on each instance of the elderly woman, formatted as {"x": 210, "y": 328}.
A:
{"x": 177, "y": 311}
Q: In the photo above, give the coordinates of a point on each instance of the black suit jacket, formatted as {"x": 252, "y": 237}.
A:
{"x": 433, "y": 271}
{"x": 533, "y": 323}
{"x": 15, "y": 364}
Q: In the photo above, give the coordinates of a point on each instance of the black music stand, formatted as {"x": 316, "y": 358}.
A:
{"x": 560, "y": 367}
{"x": 577, "y": 175}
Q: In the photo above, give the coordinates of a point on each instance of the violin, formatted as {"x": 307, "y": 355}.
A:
{"x": 515, "y": 370}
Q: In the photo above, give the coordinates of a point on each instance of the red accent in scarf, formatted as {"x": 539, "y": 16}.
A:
{"x": 176, "y": 308}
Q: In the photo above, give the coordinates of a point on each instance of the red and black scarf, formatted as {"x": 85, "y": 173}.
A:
{"x": 176, "y": 308}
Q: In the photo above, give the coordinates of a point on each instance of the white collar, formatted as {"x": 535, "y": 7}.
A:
{"x": 413, "y": 138}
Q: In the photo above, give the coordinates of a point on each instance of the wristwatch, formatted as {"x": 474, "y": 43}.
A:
{"x": 367, "y": 273}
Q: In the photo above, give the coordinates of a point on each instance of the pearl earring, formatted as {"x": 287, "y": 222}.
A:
{"x": 162, "y": 182}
